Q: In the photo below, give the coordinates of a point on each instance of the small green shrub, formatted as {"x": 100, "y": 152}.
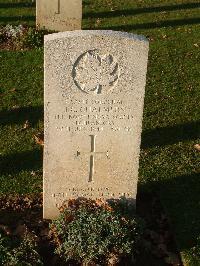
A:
{"x": 33, "y": 38}
{"x": 24, "y": 255}
{"x": 92, "y": 232}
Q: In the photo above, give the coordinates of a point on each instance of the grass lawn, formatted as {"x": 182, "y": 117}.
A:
{"x": 169, "y": 163}
{"x": 15, "y": 12}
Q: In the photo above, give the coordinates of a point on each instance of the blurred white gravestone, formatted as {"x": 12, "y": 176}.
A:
{"x": 94, "y": 96}
{"x": 59, "y": 15}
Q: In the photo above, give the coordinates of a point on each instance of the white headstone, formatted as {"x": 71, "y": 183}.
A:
{"x": 59, "y": 15}
{"x": 94, "y": 94}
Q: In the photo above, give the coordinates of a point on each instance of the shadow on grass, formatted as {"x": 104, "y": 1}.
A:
{"x": 137, "y": 11}
{"x": 152, "y": 25}
{"x": 19, "y": 116}
{"x": 17, "y": 5}
{"x": 17, "y": 18}
{"x": 181, "y": 200}
{"x": 170, "y": 135}
{"x": 17, "y": 162}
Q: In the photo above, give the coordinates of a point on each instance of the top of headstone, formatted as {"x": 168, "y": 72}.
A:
{"x": 80, "y": 33}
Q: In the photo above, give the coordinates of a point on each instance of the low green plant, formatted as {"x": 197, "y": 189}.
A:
{"x": 90, "y": 231}
{"x": 33, "y": 38}
{"x": 25, "y": 254}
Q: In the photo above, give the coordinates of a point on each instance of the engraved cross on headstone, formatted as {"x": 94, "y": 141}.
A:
{"x": 92, "y": 154}
{"x": 58, "y": 10}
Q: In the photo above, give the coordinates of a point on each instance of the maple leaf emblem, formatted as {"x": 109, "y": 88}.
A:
{"x": 95, "y": 73}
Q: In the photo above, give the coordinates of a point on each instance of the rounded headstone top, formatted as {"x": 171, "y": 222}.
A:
{"x": 82, "y": 33}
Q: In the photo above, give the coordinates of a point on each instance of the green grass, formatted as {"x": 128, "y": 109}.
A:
{"x": 17, "y": 12}
{"x": 21, "y": 83}
{"x": 169, "y": 164}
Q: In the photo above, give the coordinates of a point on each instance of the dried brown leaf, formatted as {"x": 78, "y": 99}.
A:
{"x": 26, "y": 124}
{"x": 39, "y": 139}
{"x": 33, "y": 173}
{"x": 197, "y": 147}
{"x": 5, "y": 229}
{"x": 15, "y": 107}
{"x": 98, "y": 21}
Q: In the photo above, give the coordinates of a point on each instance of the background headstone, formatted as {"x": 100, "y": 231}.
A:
{"x": 59, "y": 15}
{"x": 94, "y": 94}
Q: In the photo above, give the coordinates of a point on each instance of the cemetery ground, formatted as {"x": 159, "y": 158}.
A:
{"x": 169, "y": 161}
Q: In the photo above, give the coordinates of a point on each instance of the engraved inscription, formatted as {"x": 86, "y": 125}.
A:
{"x": 92, "y": 153}
{"x": 90, "y": 192}
{"x": 92, "y": 116}
{"x": 95, "y": 73}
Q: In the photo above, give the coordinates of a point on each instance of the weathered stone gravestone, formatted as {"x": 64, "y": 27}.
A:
{"x": 59, "y": 15}
{"x": 94, "y": 93}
